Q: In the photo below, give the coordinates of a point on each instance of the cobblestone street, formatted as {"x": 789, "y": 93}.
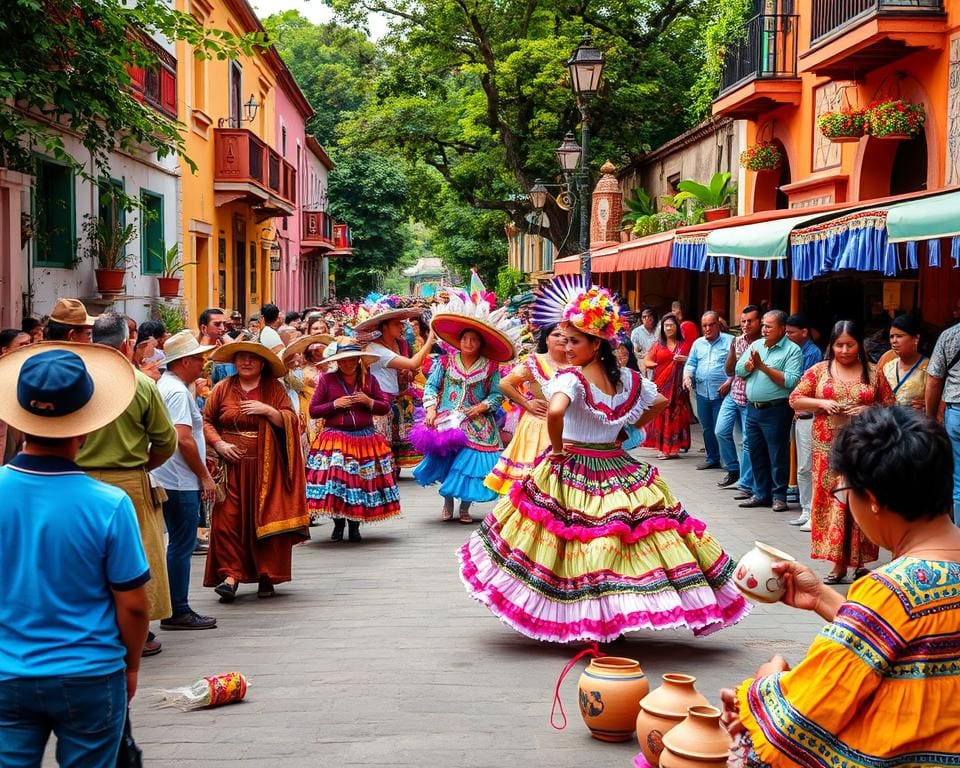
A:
{"x": 375, "y": 656}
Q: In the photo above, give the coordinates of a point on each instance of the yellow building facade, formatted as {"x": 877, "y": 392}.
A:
{"x": 242, "y": 183}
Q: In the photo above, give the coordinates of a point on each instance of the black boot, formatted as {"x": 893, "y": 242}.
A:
{"x": 354, "y": 530}
{"x": 338, "y": 523}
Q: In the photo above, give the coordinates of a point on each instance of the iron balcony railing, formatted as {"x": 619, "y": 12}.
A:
{"x": 831, "y": 16}
{"x": 768, "y": 50}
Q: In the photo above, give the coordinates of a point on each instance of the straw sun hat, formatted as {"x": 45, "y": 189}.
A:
{"x": 345, "y": 347}
{"x": 373, "y": 322}
{"x": 183, "y": 344}
{"x": 227, "y": 352}
{"x": 304, "y": 343}
{"x": 61, "y": 389}
{"x": 499, "y": 335}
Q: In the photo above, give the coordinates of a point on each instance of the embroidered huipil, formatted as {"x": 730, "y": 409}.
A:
{"x": 452, "y": 387}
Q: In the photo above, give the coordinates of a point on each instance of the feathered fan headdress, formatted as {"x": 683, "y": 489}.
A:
{"x": 593, "y": 310}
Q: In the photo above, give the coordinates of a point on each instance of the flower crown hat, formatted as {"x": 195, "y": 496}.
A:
{"x": 500, "y": 333}
{"x": 594, "y": 311}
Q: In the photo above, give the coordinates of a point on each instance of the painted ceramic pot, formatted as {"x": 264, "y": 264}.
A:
{"x": 754, "y": 575}
{"x": 700, "y": 741}
{"x": 610, "y": 690}
{"x": 664, "y": 709}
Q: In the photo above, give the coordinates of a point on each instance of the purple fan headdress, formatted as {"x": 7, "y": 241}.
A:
{"x": 553, "y": 298}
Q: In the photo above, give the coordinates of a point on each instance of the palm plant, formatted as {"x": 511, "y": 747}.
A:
{"x": 716, "y": 194}
{"x": 640, "y": 214}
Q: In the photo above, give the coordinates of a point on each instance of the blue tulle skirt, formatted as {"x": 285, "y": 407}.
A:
{"x": 460, "y": 475}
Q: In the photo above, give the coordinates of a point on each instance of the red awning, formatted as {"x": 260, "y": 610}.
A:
{"x": 605, "y": 259}
{"x": 650, "y": 252}
{"x": 568, "y": 265}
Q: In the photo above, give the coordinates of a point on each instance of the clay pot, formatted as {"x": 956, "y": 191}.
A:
{"x": 110, "y": 280}
{"x": 715, "y": 214}
{"x": 663, "y": 709}
{"x": 754, "y": 575}
{"x": 698, "y": 742}
{"x": 610, "y": 690}
{"x": 169, "y": 287}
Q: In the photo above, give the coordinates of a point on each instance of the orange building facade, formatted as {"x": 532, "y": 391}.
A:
{"x": 802, "y": 58}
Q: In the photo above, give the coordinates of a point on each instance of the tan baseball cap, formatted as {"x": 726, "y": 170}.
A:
{"x": 72, "y": 312}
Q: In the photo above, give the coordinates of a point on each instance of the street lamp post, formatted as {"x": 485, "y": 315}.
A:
{"x": 585, "y": 66}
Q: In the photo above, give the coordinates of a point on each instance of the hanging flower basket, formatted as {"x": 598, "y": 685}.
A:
{"x": 845, "y": 125}
{"x": 895, "y": 119}
{"x": 761, "y": 157}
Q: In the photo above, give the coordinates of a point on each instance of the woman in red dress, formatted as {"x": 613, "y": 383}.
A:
{"x": 670, "y": 431}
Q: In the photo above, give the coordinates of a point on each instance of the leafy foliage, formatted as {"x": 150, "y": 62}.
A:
{"x": 64, "y": 64}
{"x": 716, "y": 194}
{"x": 508, "y": 283}
{"x": 724, "y": 30}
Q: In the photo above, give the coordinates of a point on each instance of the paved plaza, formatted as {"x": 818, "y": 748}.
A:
{"x": 375, "y": 656}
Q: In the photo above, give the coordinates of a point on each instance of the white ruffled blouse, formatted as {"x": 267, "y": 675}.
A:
{"x": 594, "y": 416}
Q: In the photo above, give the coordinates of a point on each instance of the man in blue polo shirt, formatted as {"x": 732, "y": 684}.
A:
{"x": 73, "y": 617}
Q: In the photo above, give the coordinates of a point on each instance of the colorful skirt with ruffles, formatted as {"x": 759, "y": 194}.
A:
{"x": 460, "y": 474}
{"x": 350, "y": 474}
{"x": 529, "y": 444}
{"x": 595, "y": 546}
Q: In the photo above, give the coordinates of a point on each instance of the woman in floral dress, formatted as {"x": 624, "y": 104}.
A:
{"x": 835, "y": 390}
{"x": 670, "y": 431}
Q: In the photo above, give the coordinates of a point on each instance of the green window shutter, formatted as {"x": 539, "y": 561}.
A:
{"x": 53, "y": 207}
{"x": 151, "y": 233}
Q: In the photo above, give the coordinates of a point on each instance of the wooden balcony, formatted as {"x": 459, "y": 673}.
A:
{"x": 316, "y": 231}
{"x": 760, "y": 71}
{"x": 851, "y": 37}
{"x": 342, "y": 240}
{"x": 247, "y": 170}
{"x": 156, "y": 85}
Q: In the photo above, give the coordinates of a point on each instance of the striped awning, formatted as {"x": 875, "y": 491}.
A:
{"x": 650, "y": 252}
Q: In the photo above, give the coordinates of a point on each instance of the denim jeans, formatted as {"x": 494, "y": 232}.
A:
{"x": 707, "y": 412}
{"x": 181, "y": 513}
{"x": 731, "y": 417}
{"x": 768, "y": 440}
{"x": 85, "y": 713}
{"x": 951, "y": 421}
{"x": 803, "y": 438}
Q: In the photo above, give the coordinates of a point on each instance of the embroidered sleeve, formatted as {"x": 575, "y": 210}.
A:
{"x": 495, "y": 399}
{"x": 431, "y": 390}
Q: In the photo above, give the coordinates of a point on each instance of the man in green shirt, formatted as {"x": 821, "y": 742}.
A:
{"x": 771, "y": 366}
{"x": 122, "y": 453}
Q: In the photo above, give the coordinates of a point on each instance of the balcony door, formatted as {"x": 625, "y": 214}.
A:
{"x": 236, "y": 94}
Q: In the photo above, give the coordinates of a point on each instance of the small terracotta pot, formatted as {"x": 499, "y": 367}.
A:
{"x": 664, "y": 709}
{"x": 700, "y": 741}
{"x": 715, "y": 214}
{"x": 845, "y": 139}
{"x": 610, "y": 690}
{"x": 110, "y": 280}
{"x": 169, "y": 287}
{"x": 894, "y": 137}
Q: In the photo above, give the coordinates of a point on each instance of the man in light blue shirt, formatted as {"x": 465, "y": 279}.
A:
{"x": 705, "y": 370}
{"x": 771, "y": 366}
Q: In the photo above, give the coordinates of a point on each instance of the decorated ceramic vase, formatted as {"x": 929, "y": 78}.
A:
{"x": 610, "y": 690}
{"x": 664, "y": 709}
{"x": 754, "y": 575}
{"x": 700, "y": 741}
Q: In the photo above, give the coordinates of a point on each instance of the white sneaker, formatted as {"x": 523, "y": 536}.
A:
{"x": 806, "y": 527}
{"x": 802, "y": 520}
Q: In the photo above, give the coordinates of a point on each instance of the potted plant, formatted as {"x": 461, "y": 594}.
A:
{"x": 845, "y": 125}
{"x": 715, "y": 197}
{"x": 640, "y": 216}
{"x": 761, "y": 157}
{"x": 895, "y": 119}
{"x": 169, "y": 280}
{"x": 106, "y": 245}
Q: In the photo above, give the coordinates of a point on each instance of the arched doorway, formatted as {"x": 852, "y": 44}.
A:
{"x": 767, "y": 192}
{"x": 892, "y": 167}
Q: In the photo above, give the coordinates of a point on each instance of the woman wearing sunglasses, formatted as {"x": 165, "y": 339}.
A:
{"x": 880, "y": 683}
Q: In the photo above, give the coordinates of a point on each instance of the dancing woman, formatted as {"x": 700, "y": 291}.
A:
{"x": 524, "y": 386}
{"x": 593, "y": 543}
{"x": 350, "y": 467}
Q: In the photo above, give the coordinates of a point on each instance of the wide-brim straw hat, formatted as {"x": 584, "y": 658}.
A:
{"x": 304, "y": 343}
{"x": 375, "y": 321}
{"x": 495, "y": 346}
{"x": 114, "y": 385}
{"x": 183, "y": 344}
{"x": 227, "y": 352}
{"x": 344, "y": 348}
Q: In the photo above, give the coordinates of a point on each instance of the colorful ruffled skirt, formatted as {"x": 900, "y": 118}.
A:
{"x": 350, "y": 474}
{"x": 595, "y": 546}
{"x": 460, "y": 474}
{"x": 530, "y": 442}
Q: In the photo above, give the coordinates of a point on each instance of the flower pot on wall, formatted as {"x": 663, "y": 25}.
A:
{"x": 110, "y": 280}
{"x": 715, "y": 214}
{"x": 169, "y": 287}
{"x": 845, "y": 139}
